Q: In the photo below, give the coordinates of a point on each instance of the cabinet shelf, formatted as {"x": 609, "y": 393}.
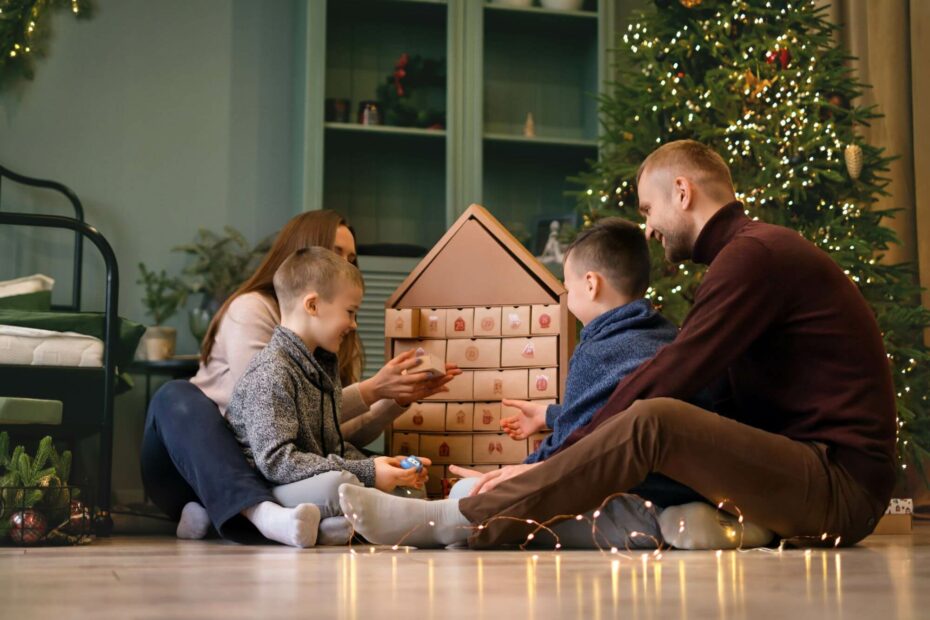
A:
{"x": 385, "y": 130}
{"x": 545, "y": 141}
{"x": 541, "y": 13}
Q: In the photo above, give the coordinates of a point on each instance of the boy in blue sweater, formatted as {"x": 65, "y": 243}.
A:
{"x": 606, "y": 274}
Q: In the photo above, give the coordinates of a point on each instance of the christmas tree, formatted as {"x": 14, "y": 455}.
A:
{"x": 765, "y": 84}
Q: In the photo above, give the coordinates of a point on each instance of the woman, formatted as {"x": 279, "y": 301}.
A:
{"x": 193, "y": 468}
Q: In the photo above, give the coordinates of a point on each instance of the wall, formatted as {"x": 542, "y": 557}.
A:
{"x": 163, "y": 117}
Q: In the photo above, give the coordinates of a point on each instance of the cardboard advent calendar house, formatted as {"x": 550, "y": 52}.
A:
{"x": 479, "y": 299}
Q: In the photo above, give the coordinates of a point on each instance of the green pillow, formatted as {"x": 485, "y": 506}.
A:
{"x": 40, "y": 301}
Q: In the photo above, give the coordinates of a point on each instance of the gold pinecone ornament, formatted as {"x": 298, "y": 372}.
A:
{"x": 853, "y": 156}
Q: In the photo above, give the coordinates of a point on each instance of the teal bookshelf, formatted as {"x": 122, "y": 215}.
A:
{"x": 406, "y": 185}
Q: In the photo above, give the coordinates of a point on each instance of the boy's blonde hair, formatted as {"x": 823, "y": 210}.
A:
{"x": 691, "y": 158}
{"x": 313, "y": 269}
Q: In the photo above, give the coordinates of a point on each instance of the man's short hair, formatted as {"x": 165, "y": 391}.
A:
{"x": 616, "y": 248}
{"x": 313, "y": 269}
{"x": 691, "y": 158}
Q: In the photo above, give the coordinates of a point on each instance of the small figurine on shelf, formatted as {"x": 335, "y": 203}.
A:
{"x": 529, "y": 127}
{"x": 552, "y": 254}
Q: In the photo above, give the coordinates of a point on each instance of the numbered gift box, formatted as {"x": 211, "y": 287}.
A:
{"x": 545, "y": 319}
{"x": 459, "y": 416}
{"x": 460, "y": 388}
{"x": 436, "y": 348}
{"x": 487, "y": 417}
{"x": 405, "y": 444}
{"x": 422, "y": 417}
{"x": 432, "y": 323}
{"x": 515, "y": 321}
{"x": 446, "y": 449}
{"x": 474, "y": 352}
{"x": 537, "y": 351}
{"x": 498, "y": 448}
{"x": 543, "y": 383}
{"x": 401, "y": 323}
{"x": 500, "y": 384}
{"x": 459, "y": 322}
{"x": 487, "y": 322}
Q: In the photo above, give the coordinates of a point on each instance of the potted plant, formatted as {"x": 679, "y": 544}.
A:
{"x": 163, "y": 297}
{"x": 221, "y": 262}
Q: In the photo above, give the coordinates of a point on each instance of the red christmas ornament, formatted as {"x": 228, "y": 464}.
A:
{"x": 27, "y": 527}
{"x": 784, "y": 57}
{"x": 781, "y": 55}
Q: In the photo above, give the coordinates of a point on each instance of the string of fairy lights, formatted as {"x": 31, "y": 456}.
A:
{"x": 793, "y": 134}
{"x": 601, "y": 541}
{"x": 26, "y": 26}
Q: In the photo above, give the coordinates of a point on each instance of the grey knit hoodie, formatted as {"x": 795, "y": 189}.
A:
{"x": 284, "y": 412}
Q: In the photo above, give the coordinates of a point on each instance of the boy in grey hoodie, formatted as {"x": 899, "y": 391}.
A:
{"x": 285, "y": 408}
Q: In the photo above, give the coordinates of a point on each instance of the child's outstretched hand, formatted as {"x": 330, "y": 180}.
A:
{"x": 389, "y": 474}
{"x": 531, "y": 419}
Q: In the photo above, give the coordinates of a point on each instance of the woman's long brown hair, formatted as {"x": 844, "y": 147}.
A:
{"x": 305, "y": 230}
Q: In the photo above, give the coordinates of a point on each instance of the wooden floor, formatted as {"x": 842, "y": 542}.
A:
{"x": 125, "y": 577}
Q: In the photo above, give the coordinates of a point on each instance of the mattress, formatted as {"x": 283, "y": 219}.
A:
{"x": 41, "y": 347}
{"x": 26, "y": 285}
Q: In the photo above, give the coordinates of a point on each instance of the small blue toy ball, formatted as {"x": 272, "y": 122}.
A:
{"x": 412, "y": 462}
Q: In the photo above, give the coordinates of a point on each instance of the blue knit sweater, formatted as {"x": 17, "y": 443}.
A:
{"x": 612, "y": 346}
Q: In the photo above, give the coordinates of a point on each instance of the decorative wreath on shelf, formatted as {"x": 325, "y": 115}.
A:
{"x": 414, "y": 94}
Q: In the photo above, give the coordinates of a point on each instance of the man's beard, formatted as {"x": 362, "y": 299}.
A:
{"x": 677, "y": 246}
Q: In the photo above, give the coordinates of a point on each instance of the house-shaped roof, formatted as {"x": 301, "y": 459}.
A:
{"x": 477, "y": 262}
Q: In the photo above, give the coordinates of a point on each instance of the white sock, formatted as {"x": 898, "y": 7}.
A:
{"x": 701, "y": 526}
{"x": 194, "y": 523}
{"x": 295, "y": 526}
{"x": 390, "y": 520}
{"x": 334, "y": 531}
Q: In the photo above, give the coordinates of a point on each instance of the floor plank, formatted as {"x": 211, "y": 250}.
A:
{"x": 159, "y": 577}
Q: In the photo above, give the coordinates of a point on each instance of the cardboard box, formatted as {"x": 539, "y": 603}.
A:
{"x": 546, "y": 319}
{"x": 521, "y": 352}
{"x": 460, "y": 388}
{"x": 459, "y": 322}
{"x": 405, "y": 444}
{"x": 422, "y": 417}
{"x": 401, "y": 323}
{"x": 498, "y": 448}
{"x": 515, "y": 321}
{"x": 433, "y": 347}
{"x": 498, "y": 384}
{"x": 474, "y": 352}
{"x": 429, "y": 364}
{"x": 487, "y": 322}
{"x": 534, "y": 441}
{"x": 432, "y": 323}
{"x": 487, "y": 417}
{"x": 459, "y": 416}
{"x": 434, "y": 482}
{"x": 446, "y": 449}
{"x": 543, "y": 383}
{"x": 894, "y": 524}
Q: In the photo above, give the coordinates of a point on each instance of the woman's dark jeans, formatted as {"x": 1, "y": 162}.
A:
{"x": 190, "y": 455}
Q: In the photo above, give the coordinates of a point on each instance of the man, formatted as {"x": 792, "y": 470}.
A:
{"x": 805, "y": 443}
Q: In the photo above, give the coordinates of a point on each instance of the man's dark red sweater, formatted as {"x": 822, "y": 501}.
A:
{"x": 800, "y": 346}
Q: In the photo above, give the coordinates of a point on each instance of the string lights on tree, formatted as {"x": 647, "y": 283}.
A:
{"x": 25, "y": 30}
{"x": 765, "y": 84}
